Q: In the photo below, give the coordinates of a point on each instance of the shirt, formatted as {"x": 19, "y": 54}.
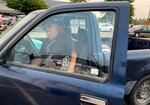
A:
{"x": 61, "y": 45}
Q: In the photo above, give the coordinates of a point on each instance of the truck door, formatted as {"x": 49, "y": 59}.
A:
{"x": 70, "y": 55}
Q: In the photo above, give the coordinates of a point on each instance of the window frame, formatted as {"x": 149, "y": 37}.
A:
{"x": 50, "y": 13}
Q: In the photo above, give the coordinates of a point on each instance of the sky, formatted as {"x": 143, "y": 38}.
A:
{"x": 141, "y": 7}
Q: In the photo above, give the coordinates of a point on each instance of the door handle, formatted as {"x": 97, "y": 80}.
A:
{"x": 92, "y": 100}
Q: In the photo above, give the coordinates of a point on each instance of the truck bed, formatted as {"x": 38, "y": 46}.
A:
{"x": 138, "y": 48}
{"x": 138, "y": 58}
{"x": 138, "y": 43}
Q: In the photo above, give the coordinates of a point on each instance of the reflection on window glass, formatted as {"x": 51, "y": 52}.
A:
{"x": 106, "y": 21}
{"x": 76, "y": 23}
{"x": 144, "y": 27}
{"x": 149, "y": 27}
{"x": 66, "y": 43}
{"x": 19, "y": 25}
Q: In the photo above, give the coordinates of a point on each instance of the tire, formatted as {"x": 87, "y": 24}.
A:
{"x": 140, "y": 94}
{"x": 137, "y": 34}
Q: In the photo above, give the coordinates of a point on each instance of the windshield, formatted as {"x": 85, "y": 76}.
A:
{"x": 19, "y": 25}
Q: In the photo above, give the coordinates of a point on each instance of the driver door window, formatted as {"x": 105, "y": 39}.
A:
{"x": 51, "y": 45}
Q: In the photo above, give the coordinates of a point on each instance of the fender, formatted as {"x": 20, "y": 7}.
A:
{"x": 129, "y": 86}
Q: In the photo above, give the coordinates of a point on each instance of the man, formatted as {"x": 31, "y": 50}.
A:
{"x": 56, "y": 45}
{"x": 57, "y": 41}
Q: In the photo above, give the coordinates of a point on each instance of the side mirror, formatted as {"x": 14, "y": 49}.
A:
{"x": 20, "y": 57}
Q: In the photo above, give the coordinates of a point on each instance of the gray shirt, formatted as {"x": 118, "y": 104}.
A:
{"x": 61, "y": 45}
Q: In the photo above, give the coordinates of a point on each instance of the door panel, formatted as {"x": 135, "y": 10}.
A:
{"x": 17, "y": 88}
{"x": 38, "y": 88}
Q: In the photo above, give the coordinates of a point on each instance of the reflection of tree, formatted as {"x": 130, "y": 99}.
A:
{"x": 109, "y": 17}
{"x": 131, "y": 8}
{"x": 149, "y": 15}
{"x": 139, "y": 21}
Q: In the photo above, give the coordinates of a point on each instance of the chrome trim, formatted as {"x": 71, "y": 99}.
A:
{"x": 91, "y": 100}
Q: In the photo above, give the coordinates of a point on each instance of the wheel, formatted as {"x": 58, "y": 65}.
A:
{"x": 140, "y": 94}
{"x": 137, "y": 34}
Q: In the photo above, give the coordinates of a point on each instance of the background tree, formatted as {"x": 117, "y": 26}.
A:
{"x": 138, "y": 21}
{"x": 149, "y": 15}
{"x": 26, "y": 6}
{"x": 131, "y": 8}
{"x": 75, "y": 1}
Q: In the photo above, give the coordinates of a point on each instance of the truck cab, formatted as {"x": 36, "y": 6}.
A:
{"x": 82, "y": 65}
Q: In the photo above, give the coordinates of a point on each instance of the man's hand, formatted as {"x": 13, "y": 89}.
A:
{"x": 37, "y": 62}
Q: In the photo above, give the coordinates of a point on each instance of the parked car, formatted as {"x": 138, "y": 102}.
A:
{"x": 105, "y": 27}
{"x": 20, "y": 17}
{"x": 134, "y": 28}
{"x": 6, "y": 20}
{"x": 3, "y": 27}
{"x": 143, "y": 31}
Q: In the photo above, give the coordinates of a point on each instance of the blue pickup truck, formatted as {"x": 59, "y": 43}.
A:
{"x": 100, "y": 70}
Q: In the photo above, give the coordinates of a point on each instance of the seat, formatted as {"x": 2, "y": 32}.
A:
{"x": 82, "y": 44}
{"x": 80, "y": 56}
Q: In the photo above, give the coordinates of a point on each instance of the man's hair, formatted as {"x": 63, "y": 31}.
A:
{"x": 50, "y": 22}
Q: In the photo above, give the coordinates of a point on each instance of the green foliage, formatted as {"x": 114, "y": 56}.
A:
{"x": 131, "y": 8}
{"x": 75, "y": 1}
{"x": 131, "y": 12}
{"x": 26, "y": 6}
{"x": 139, "y": 21}
{"x": 149, "y": 15}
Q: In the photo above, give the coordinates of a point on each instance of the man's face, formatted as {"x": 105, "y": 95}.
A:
{"x": 53, "y": 30}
